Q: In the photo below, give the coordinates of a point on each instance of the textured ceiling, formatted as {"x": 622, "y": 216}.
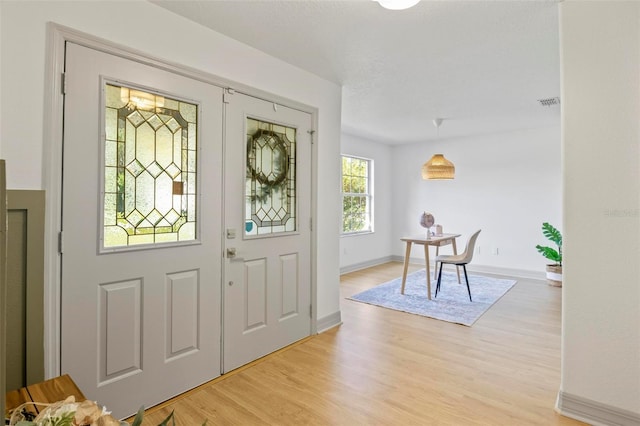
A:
{"x": 480, "y": 65}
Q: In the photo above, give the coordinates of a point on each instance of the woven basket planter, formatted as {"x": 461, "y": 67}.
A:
{"x": 554, "y": 275}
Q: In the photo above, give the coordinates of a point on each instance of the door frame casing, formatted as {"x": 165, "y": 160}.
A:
{"x": 57, "y": 37}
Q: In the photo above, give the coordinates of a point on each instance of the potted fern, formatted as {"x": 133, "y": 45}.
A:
{"x": 554, "y": 270}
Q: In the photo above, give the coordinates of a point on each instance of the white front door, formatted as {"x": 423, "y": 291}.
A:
{"x": 267, "y": 276}
{"x": 142, "y": 243}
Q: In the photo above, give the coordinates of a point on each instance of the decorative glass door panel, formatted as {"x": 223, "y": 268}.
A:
{"x": 270, "y": 185}
{"x": 150, "y": 169}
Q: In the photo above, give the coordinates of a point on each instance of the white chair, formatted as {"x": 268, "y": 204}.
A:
{"x": 459, "y": 260}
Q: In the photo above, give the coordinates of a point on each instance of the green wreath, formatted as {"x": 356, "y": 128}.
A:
{"x": 273, "y": 140}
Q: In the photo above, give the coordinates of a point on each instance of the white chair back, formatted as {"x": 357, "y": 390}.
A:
{"x": 468, "y": 251}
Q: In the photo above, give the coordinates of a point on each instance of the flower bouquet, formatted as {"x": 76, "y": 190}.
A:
{"x": 64, "y": 413}
{"x": 72, "y": 413}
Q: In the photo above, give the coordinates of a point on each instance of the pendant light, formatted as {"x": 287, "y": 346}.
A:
{"x": 438, "y": 167}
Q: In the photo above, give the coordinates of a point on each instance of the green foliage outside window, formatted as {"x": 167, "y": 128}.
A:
{"x": 356, "y": 197}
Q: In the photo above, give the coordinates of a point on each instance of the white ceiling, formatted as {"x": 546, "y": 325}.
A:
{"x": 480, "y": 65}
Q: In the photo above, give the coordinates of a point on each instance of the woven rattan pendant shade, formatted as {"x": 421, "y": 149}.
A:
{"x": 438, "y": 167}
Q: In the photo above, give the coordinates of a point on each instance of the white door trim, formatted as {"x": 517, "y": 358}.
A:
{"x": 57, "y": 36}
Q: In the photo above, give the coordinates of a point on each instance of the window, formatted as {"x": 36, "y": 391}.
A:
{"x": 357, "y": 195}
{"x": 270, "y": 183}
{"x": 150, "y": 169}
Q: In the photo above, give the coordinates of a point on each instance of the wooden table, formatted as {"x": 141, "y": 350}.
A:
{"x": 49, "y": 391}
{"x": 437, "y": 241}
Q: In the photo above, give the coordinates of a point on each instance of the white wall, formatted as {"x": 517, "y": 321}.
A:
{"x": 1, "y": 92}
{"x": 359, "y": 250}
{"x": 155, "y": 31}
{"x": 600, "y": 55}
{"x": 506, "y": 184}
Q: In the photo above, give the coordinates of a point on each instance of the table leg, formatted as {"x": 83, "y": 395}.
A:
{"x": 406, "y": 266}
{"x": 435, "y": 264}
{"x": 428, "y": 270}
{"x": 455, "y": 251}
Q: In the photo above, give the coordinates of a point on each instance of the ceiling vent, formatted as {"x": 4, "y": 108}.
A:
{"x": 549, "y": 101}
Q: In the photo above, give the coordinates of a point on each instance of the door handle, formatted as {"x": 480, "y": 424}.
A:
{"x": 232, "y": 254}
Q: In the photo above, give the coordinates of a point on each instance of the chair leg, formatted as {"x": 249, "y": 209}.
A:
{"x": 466, "y": 278}
{"x": 439, "y": 278}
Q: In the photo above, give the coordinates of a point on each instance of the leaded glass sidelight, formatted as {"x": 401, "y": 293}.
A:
{"x": 270, "y": 185}
{"x": 150, "y": 168}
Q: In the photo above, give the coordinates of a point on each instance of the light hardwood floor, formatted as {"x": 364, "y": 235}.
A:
{"x": 382, "y": 367}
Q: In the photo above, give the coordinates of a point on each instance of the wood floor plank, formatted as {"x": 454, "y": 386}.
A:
{"x": 385, "y": 367}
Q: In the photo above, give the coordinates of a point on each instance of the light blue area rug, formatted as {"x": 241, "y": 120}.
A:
{"x": 452, "y": 303}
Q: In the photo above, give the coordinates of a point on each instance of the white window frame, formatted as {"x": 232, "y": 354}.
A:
{"x": 368, "y": 195}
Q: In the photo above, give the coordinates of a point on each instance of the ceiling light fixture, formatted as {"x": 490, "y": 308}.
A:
{"x": 438, "y": 167}
{"x": 397, "y": 4}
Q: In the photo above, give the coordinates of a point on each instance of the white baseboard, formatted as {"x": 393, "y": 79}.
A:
{"x": 594, "y": 413}
{"x": 329, "y": 321}
{"x": 367, "y": 264}
{"x": 486, "y": 269}
{"x": 509, "y": 272}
